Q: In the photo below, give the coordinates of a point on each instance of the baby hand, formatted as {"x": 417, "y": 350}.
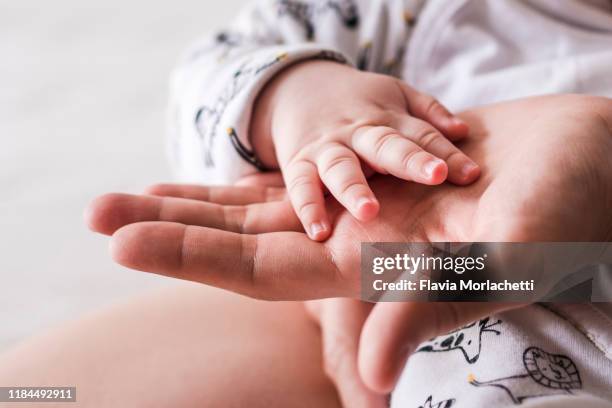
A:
{"x": 320, "y": 121}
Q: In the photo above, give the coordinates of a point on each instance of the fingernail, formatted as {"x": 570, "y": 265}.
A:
{"x": 363, "y": 201}
{"x": 430, "y": 167}
{"x": 468, "y": 169}
{"x": 366, "y": 208}
{"x": 458, "y": 122}
{"x": 315, "y": 228}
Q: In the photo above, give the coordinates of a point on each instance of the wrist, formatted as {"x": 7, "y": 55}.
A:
{"x": 277, "y": 99}
{"x": 261, "y": 126}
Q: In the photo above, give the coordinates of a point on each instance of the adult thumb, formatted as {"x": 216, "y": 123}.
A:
{"x": 393, "y": 331}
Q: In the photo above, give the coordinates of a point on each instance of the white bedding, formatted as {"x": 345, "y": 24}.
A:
{"x": 82, "y": 98}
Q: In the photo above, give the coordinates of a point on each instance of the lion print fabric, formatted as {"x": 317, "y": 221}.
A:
{"x": 528, "y": 357}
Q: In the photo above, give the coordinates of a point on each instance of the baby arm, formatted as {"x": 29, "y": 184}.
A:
{"x": 214, "y": 88}
{"x": 280, "y": 77}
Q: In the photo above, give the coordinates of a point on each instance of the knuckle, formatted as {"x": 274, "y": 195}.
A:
{"x": 382, "y": 141}
{"x": 330, "y": 149}
{"x": 157, "y": 189}
{"x": 299, "y": 159}
{"x": 345, "y": 188}
{"x": 234, "y": 218}
{"x": 379, "y": 116}
{"x": 272, "y": 194}
{"x": 431, "y": 104}
{"x": 410, "y": 155}
{"x": 332, "y": 136}
{"x": 383, "y": 116}
{"x": 298, "y": 182}
{"x": 185, "y": 249}
{"x": 333, "y": 160}
{"x": 427, "y": 136}
{"x": 454, "y": 153}
{"x": 249, "y": 256}
{"x": 303, "y": 207}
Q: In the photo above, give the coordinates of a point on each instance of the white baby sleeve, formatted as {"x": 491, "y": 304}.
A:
{"x": 214, "y": 88}
{"x": 533, "y": 357}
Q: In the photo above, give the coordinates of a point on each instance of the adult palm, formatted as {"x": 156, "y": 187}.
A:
{"x": 545, "y": 162}
{"x": 546, "y": 176}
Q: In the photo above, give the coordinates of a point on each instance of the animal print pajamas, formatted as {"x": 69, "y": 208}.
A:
{"x": 466, "y": 53}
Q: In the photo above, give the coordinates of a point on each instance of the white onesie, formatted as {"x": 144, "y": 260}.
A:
{"x": 466, "y": 53}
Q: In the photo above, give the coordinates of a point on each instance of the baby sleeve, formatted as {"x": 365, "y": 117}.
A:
{"x": 217, "y": 82}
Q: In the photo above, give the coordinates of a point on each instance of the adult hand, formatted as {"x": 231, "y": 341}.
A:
{"x": 341, "y": 321}
{"x": 546, "y": 176}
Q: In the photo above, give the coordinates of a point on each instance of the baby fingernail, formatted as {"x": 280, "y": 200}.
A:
{"x": 316, "y": 228}
{"x": 469, "y": 169}
{"x": 362, "y": 202}
{"x": 429, "y": 168}
{"x": 366, "y": 208}
{"x": 458, "y": 122}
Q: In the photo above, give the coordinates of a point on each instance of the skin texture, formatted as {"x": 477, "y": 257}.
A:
{"x": 546, "y": 177}
{"x": 341, "y": 321}
{"x": 324, "y": 137}
{"x": 539, "y": 170}
{"x": 173, "y": 348}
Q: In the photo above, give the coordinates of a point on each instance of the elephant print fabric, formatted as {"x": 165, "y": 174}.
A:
{"x": 468, "y": 340}
{"x": 545, "y": 374}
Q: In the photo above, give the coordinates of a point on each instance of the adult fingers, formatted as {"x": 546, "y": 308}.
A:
{"x": 394, "y": 330}
{"x": 341, "y": 321}
{"x": 387, "y": 151}
{"x": 268, "y": 179}
{"x": 429, "y": 109}
{"x": 306, "y": 196}
{"x": 229, "y": 195}
{"x": 461, "y": 169}
{"x": 340, "y": 170}
{"x": 279, "y": 265}
{"x": 112, "y": 211}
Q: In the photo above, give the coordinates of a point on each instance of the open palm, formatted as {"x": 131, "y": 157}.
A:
{"x": 546, "y": 176}
{"x": 545, "y": 167}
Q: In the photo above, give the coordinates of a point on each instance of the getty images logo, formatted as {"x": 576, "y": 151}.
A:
{"x": 413, "y": 264}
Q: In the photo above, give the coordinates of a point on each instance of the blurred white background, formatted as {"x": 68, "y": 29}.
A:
{"x": 82, "y": 103}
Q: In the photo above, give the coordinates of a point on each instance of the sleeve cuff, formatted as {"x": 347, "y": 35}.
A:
{"x": 216, "y": 121}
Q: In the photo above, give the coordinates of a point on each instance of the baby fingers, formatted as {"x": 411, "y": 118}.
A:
{"x": 417, "y": 152}
{"x": 340, "y": 170}
{"x": 461, "y": 169}
{"x": 429, "y": 109}
{"x": 306, "y": 195}
{"x": 387, "y": 151}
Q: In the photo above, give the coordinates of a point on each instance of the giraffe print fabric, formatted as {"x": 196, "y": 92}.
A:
{"x": 531, "y": 357}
